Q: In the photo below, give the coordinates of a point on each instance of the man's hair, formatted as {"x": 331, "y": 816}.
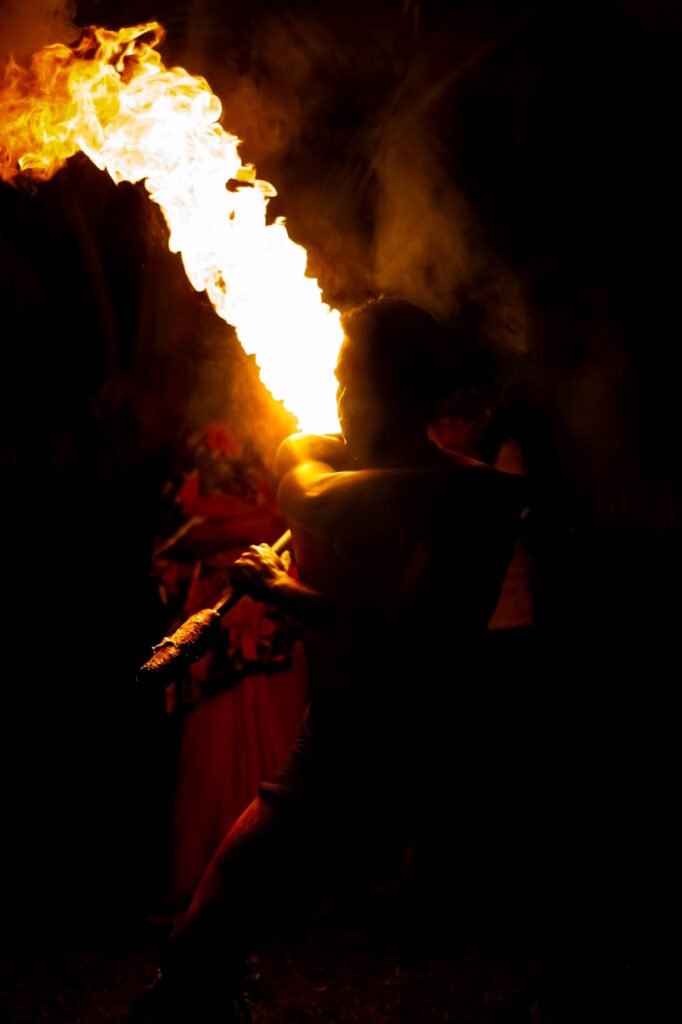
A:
{"x": 403, "y": 352}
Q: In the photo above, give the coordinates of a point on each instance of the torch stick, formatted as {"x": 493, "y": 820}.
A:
{"x": 195, "y": 636}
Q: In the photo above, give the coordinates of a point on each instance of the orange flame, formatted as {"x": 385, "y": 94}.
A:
{"x": 111, "y": 97}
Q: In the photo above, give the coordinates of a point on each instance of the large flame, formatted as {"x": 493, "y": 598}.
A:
{"x": 111, "y": 97}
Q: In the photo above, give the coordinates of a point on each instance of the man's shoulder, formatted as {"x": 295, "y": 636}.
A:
{"x": 297, "y": 449}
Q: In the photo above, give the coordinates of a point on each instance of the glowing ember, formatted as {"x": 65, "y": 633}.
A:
{"x": 111, "y": 97}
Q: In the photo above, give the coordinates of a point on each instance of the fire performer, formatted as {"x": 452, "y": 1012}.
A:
{"x": 401, "y": 549}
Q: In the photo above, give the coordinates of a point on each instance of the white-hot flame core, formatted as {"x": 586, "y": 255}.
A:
{"x": 111, "y": 97}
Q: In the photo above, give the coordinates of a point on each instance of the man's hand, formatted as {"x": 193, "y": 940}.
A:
{"x": 263, "y": 575}
{"x": 259, "y": 572}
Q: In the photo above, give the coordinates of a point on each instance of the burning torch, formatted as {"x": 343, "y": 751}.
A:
{"x": 195, "y": 636}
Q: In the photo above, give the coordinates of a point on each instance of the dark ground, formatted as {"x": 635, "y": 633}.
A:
{"x": 366, "y": 965}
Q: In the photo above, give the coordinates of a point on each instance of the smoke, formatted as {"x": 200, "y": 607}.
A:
{"x": 26, "y": 27}
{"x": 356, "y": 138}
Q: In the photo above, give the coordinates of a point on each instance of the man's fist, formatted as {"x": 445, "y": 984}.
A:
{"x": 258, "y": 571}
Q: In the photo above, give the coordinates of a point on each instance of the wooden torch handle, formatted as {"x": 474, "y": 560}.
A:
{"x": 195, "y": 636}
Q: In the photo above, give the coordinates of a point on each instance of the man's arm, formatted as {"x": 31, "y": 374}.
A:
{"x": 315, "y": 474}
{"x": 264, "y": 576}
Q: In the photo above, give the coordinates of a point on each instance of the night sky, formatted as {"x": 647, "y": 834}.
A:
{"x": 511, "y": 165}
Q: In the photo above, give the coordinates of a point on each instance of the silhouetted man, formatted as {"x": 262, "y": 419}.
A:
{"x": 401, "y": 550}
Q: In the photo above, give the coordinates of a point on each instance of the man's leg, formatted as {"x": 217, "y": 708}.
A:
{"x": 275, "y": 863}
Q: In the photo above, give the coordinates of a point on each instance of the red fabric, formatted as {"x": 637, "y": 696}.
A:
{"x": 219, "y": 439}
{"x": 238, "y": 726}
{"x": 231, "y": 742}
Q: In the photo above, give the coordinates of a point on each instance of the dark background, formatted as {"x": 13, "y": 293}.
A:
{"x": 517, "y": 159}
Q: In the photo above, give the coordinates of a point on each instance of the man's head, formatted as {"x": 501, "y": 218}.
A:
{"x": 391, "y": 375}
